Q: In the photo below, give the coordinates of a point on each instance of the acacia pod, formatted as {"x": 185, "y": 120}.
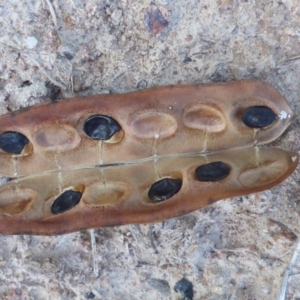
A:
{"x": 64, "y": 201}
{"x": 109, "y": 129}
{"x": 139, "y": 157}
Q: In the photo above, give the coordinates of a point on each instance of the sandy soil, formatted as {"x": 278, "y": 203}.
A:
{"x": 242, "y": 248}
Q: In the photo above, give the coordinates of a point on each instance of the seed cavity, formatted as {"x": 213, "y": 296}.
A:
{"x": 16, "y": 199}
{"x": 66, "y": 201}
{"x": 153, "y": 124}
{"x": 204, "y": 117}
{"x": 13, "y": 142}
{"x": 100, "y": 127}
{"x": 58, "y": 137}
{"x": 265, "y": 172}
{"x": 164, "y": 189}
{"x": 258, "y": 117}
{"x": 108, "y": 193}
{"x": 213, "y": 171}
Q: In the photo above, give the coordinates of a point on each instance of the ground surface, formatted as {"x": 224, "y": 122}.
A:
{"x": 243, "y": 248}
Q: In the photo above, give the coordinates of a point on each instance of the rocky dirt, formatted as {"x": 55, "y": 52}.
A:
{"x": 242, "y": 248}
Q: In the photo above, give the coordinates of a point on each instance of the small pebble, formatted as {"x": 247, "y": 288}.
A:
{"x": 31, "y": 42}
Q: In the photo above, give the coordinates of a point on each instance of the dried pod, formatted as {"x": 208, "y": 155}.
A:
{"x": 139, "y": 157}
{"x": 136, "y": 125}
{"x": 121, "y": 194}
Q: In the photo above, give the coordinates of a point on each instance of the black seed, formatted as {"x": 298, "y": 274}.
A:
{"x": 68, "y": 55}
{"x": 185, "y": 287}
{"x": 213, "y": 171}
{"x": 101, "y": 127}
{"x": 187, "y": 59}
{"x": 90, "y": 295}
{"x": 54, "y": 91}
{"x": 258, "y": 117}
{"x": 65, "y": 201}
{"x": 13, "y": 142}
{"x": 26, "y": 83}
{"x": 164, "y": 189}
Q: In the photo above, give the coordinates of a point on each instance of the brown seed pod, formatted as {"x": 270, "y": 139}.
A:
{"x": 139, "y": 157}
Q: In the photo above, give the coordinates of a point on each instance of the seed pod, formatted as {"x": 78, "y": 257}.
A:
{"x": 139, "y": 157}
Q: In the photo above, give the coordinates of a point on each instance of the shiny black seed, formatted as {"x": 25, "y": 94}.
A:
{"x": 13, "y": 142}
{"x": 213, "y": 171}
{"x": 258, "y": 117}
{"x": 164, "y": 189}
{"x": 185, "y": 287}
{"x": 65, "y": 201}
{"x": 101, "y": 127}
